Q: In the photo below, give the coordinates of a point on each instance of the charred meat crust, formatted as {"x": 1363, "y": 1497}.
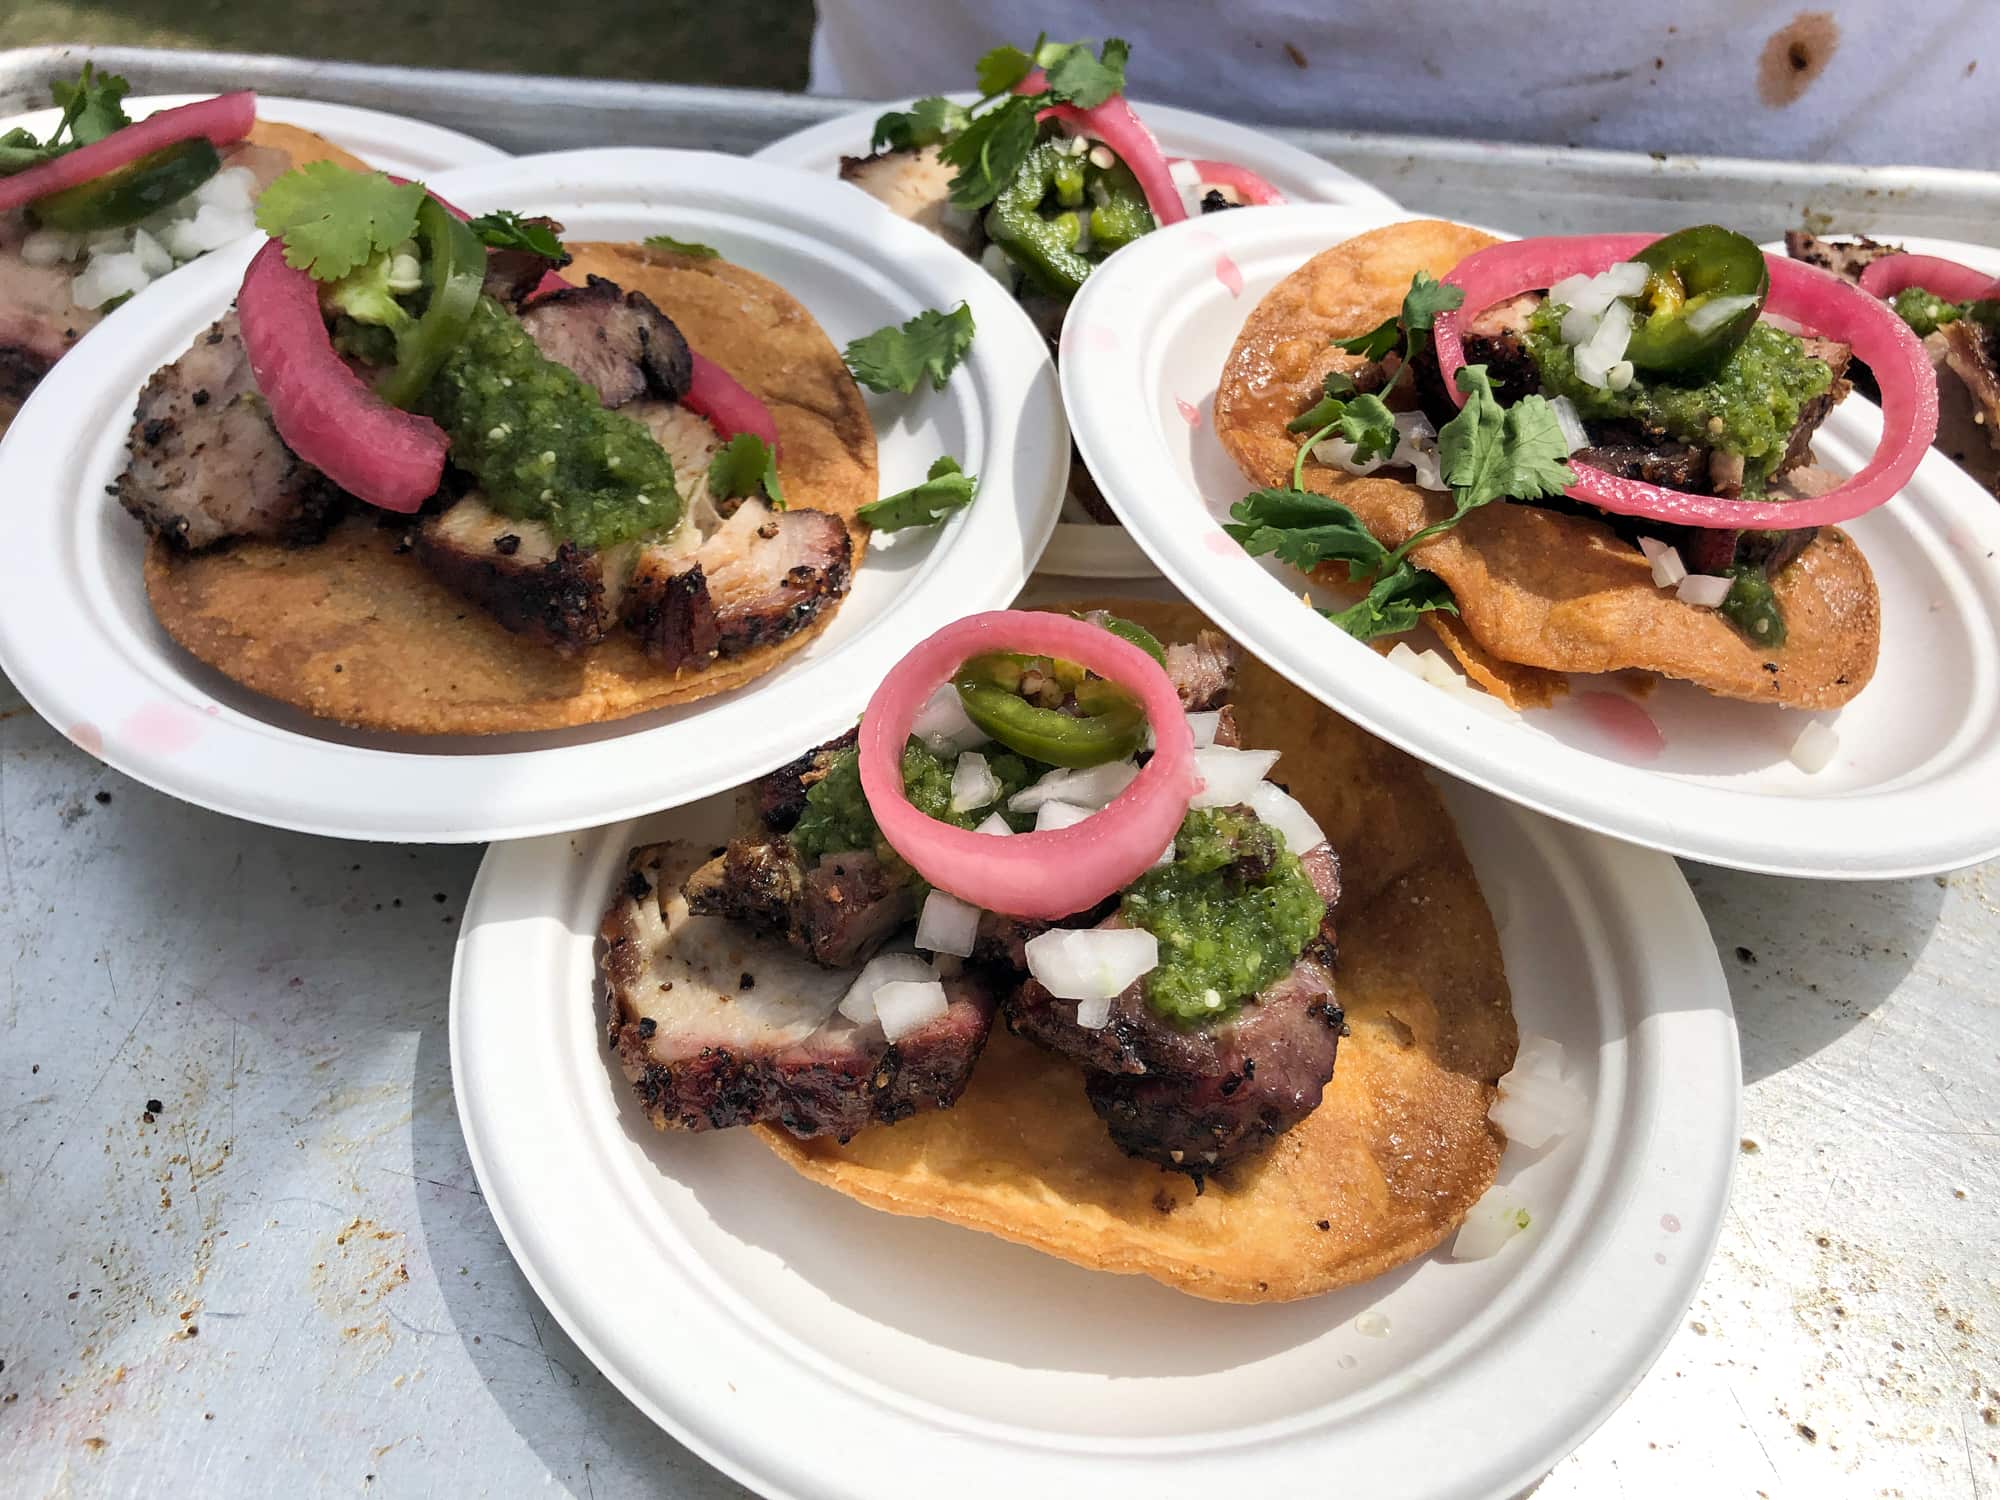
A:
{"x": 837, "y": 913}
{"x": 205, "y": 463}
{"x": 699, "y": 1074}
{"x": 1198, "y": 1099}
{"x": 513, "y": 273}
{"x": 551, "y": 592}
{"x": 21, "y": 370}
{"x": 1846, "y": 258}
{"x": 781, "y": 794}
{"x": 1203, "y": 671}
{"x": 617, "y": 342}
{"x": 762, "y": 577}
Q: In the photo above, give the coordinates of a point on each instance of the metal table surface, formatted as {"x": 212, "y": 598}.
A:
{"x": 241, "y": 1247}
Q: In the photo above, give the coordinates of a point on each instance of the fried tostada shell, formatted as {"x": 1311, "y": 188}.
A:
{"x": 1386, "y": 1167}
{"x": 354, "y": 630}
{"x": 1540, "y": 592}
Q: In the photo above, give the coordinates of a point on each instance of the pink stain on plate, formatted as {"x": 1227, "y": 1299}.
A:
{"x": 1229, "y": 274}
{"x": 164, "y": 728}
{"x": 1094, "y": 337}
{"x": 1671, "y": 1223}
{"x": 1628, "y": 725}
{"x": 1190, "y": 413}
{"x": 87, "y": 737}
{"x": 1222, "y": 544}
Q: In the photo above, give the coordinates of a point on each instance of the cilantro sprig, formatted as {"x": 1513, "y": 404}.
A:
{"x": 503, "y": 229}
{"x": 745, "y": 465}
{"x": 1486, "y": 452}
{"x": 92, "y": 107}
{"x": 925, "y": 123}
{"x": 899, "y": 358}
{"x": 945, "y": 489}
{"x": 990, "y": 142}
{"x": 333, "y": 219}
{"x": 694, "y": 249}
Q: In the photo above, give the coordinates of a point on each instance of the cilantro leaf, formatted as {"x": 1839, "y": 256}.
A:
{"x": 332, "y": 219}
{"x": 92, "y": 107}
{"x": 507, "y": 230}
{"x": 19, "y": 150}
{"x": 948, "y": 488}
{"x": 1426, "y": 298}
{"x": 989, "y": 151}
{"x": 1001, "y": 69}
{"x": 924, "y": 123}
{"x": 1085, "y": 79}
{"x": 1370, "y": 426}
{"x": 745, "y": 465}
{"x": 1393, "y": 603}
{"x": 1326, "y": 411}
{"x": 693, "y": 249}
{"x": 1376, "y": 342}
{"x": 1304, "y": 530}
{"x": 897, "y": 359}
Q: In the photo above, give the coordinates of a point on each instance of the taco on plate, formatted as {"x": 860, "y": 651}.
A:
{"x": 1576, "y": 455}
{"x": 1249, "y": 1032}
{"x": 102, "y": 207}
{"x": 438, "y": 476}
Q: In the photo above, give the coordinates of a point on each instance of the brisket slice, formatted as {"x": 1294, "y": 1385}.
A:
{"x": 1200, "y": 1098}
{"x": 1846, "y": 258}
{"x": 915, "y": 184}
{"x": 1969, "y": 351}
{"x": 836, "y": 912}
{"x": 205, "y": 463}
{"x": 511, "y": 274}
{"x": 617, "y": 342}
{"x": 715, "y": 1028}
{"x": 556, "y": 593}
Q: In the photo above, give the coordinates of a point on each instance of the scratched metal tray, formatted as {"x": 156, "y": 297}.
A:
{"x": 1528, "y": 189}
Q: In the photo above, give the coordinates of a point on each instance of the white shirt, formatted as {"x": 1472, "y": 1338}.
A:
{"x": 1872, "y": 82}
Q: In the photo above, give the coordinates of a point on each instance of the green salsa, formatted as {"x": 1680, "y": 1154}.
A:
{"x": 837, "y": 816}
{"x": 1924, "y": 311}
{"x": 1222, "y": 938}
{"x": 1748, "y": 403}
{"x": 540, "y": 444}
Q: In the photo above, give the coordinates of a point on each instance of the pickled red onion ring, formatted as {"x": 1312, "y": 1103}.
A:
{"x": 325, "y": 412}
{"x": 1040, "y": 875}
{"x": 224, "y": 119}
{"x": 1248, "y": 185}
{"x": 1114, "y": 123}
{"x": 1941, "y": 278}
{"x": 1817, "y": 300}
{"x": 713, "y": 393}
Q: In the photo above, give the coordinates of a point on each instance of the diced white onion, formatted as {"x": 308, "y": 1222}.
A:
{"x": 1538, "y": 1057}
{"x": 973, "y": 783}
{"x": 1533, "y": 1109}
{"x": 1625, "y": 279}
{"x": 1052, "y": 815}
{"x": 902, "y": 1005}
{"x": 995, "y": 825}
{"x": 995, "y": 263}
{"x": 1102, "y": 158}
{"x": 106, "y": 276}
{"x": 1203, "y": 727}
{"x": 1703, "y": 590}
{"x": 942, "y": 724}
{"x": 1493, "y": 1221}
{"x": 1166, "y": 855}
{"x": 1416, "y": 445}
{"x": 1605, "y": 347}
{"x": 1093, "y": 788}
{"x": 1338, "y": 453}
{"x": 1092, "y": 1015}
{"x": 151, "y": 254}
{"x": 1094, "y": 963}
{"x": 1620, "y": 375}
{"x": 1570, "y": 420}
{"x": 1813, "y": 750}
{"x": 1668, "y": 569}
{"x": 49, "y": 247}
{"x": 1712, "y": 314}
{"x": 858, "y": 1005}
{"x": 1579, "y": 324}
{"x": 1228, "y": 775}
{"x": 947, "y": 924}
{"x": 1277, "y": 807}
{"x": 1185, "y": 174}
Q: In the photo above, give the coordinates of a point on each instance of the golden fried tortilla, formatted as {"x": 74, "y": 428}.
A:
{"x": 354, "y": 630}
{"x": 303, "y": 145}
{"x": 1539, "y": 592}
{"x": 1382, "y": 1171}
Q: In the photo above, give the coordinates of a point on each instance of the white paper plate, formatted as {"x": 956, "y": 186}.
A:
{"x": 1910, "y": 790}
{"x": 1079, "y": 550}
{"x": 395, "y": 143}
{"x": 813, "y": 1347}
{"x": 82, "y": 646}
